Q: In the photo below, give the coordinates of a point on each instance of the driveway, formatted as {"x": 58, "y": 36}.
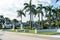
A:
{"x": 23, "y": 36}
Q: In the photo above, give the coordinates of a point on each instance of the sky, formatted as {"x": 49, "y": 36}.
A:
{"x": 8, "y": 8}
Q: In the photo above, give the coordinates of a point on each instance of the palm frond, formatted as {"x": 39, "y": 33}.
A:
{"x": 24, "y": 15}
{"x": 27, "y": 10}
{"x": 40, "y": 4}
{"x": 25, "y": 7}
{"x": 26, "y": 4}
{"x": 38, "y": 8}
{"x": 33, "y": 6}
{"x": 34, "y": 11}
{"x": 57, "y": 0}
{"x": 20, "y": 13}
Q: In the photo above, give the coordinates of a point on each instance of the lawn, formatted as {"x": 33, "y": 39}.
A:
{"x": 43, "y": 33}
{"x": 12, "y": 30}
{"x": 33, "y": 32}
{"x": 48, "y": 33}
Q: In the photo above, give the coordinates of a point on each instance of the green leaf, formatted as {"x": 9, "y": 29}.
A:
{"x": 57, "y": 0}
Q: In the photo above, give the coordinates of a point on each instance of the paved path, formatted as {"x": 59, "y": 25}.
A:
{"x": 22, "y": 36}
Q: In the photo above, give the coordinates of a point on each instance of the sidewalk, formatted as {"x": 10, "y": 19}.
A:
{"x": 18, "y": 36}
{"x": 29, "y": 34}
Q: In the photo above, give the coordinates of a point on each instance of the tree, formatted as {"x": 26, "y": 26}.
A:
{"x": 27, "y": 25}
{"x": 31, "y": 9}
{"x": 15, "y": 20}
{"x": 57, "y": 0}
{"x": 49, "y": 13}
{"x": 1, "y": 21}
{"x": 39, "y": 11}
{"x": 20, "y": 13}
{"x": 14, "y": 23}
{"x": 7, "y": 22}
{"x": 55, "y": 15}
{"x": 56, "y": 12}
{"x": 7, "y": 19}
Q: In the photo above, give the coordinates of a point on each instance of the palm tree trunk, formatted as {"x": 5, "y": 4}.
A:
{"x": 42, "y": 21}
{"x": 21, "y": 23}
{"x": 30, "y": 20}
{"x": 50, "y": 20}
{"x": 30, "y": 15}
{"x": 38, "y": 20}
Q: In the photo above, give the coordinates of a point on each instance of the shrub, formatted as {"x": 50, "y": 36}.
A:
{"x": 0, "y": 26}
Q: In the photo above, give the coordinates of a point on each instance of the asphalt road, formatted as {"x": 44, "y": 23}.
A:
{"x": 22, "y": 36}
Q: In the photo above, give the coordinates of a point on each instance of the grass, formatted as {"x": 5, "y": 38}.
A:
{"x": 33, "y": 32}
{"x": 30, "y": 31}
{"x": 13, "y": 30}
{"x": 47, "y": 33}
{"x": 44, "y": 33}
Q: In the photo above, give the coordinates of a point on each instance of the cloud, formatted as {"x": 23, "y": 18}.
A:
{"x": 8, "y": 8}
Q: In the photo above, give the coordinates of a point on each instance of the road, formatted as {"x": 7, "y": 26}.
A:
{"x": 22, "y": 36}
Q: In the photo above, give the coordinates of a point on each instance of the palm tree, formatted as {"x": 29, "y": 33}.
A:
{"x": 20, "y": 13}
{"x": 57, "y": 0}
{"x": 31, "y": 9}
{"x": 56, "y": 11}
{"x": 39, "y": 11}
{"x": 49, "y": 13}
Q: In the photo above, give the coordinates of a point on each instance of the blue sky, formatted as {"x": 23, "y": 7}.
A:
{"x": 8, "y": 8}
{"x": 55, "y": 4}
